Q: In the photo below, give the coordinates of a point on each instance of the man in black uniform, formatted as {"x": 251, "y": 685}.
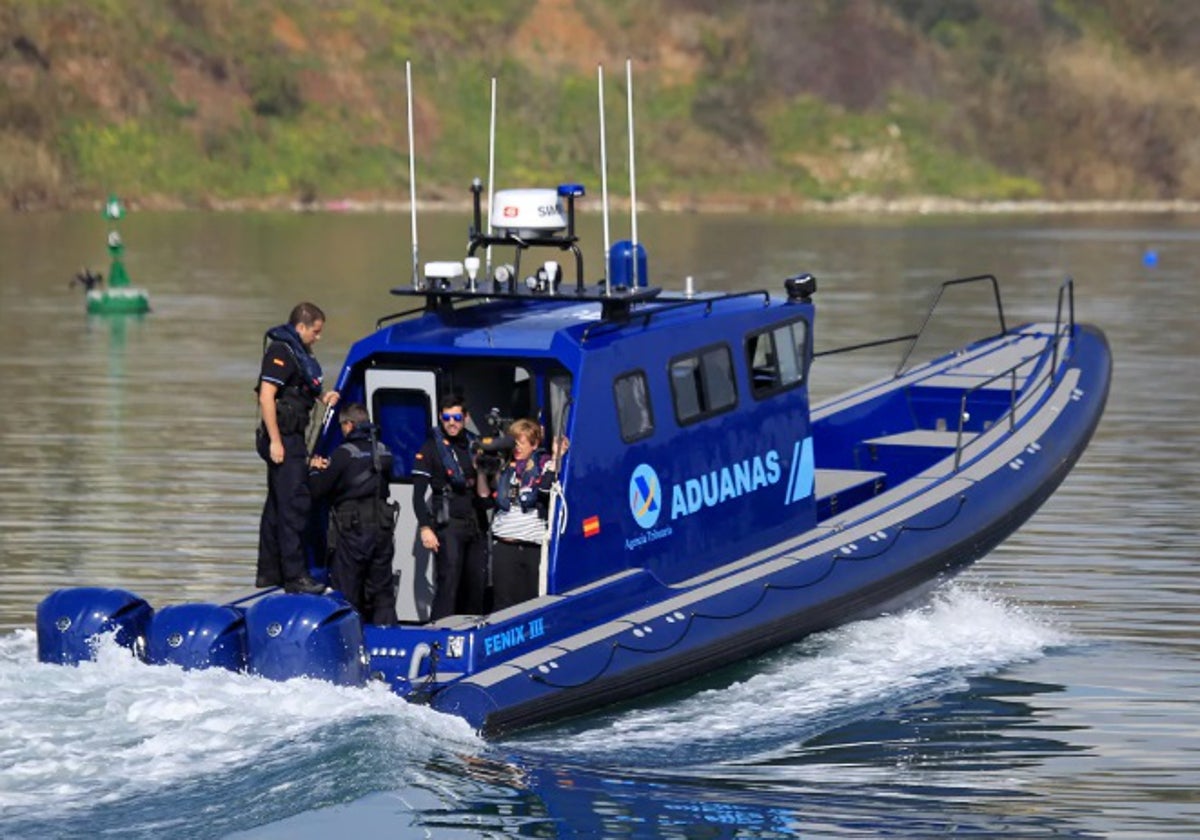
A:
{"x": 450, "y": 523}
{"x": 362, "y": 520}
{"x": 288, "y": 386}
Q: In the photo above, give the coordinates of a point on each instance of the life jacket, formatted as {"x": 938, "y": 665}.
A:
{"x": 521, "y": 487}
{"x": 452, "y": 469}
{"x": 294, "y": 400}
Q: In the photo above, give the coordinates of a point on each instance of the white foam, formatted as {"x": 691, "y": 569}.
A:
{"x": 108, "y": 729}
{"x": 961, "y": 632}
{"x": 113, "y": 729}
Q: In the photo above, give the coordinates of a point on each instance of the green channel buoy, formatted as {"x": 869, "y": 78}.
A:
{"x": 117, "y": 296}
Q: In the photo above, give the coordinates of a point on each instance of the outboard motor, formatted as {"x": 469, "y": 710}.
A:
{"x": 306, "y": 636}
{"x": 69, "y": 620}
{"x": 198, "y": 636}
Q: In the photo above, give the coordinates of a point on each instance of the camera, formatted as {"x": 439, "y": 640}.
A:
{"x": 497, "y": 423}
{"x": 494, "y": 449}
{"x": 491, "y": 454}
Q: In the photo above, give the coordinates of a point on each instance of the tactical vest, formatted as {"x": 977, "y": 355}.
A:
{"x": 362, "y": 496}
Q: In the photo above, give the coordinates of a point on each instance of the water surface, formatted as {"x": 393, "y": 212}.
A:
{"x": 1050, "y": 691}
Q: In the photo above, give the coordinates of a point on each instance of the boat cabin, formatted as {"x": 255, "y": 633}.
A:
{"x": 687, "y": 413}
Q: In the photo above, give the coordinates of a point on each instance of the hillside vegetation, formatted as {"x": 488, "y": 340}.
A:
{"x": 770, "y": 102}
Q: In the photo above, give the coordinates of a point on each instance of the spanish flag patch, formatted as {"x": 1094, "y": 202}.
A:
{"x": 279, "y": 362}
{"x": 591, "y": 526}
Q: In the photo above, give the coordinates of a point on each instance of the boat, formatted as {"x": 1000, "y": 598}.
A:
{"x": 705, "y": 511}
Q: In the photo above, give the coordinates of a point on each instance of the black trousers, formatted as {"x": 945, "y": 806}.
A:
{"x": 281, "y": 554}
{"x": 514, "y": 572}
{"x": 360, "y": 567}
{"x": 460, "y": 569}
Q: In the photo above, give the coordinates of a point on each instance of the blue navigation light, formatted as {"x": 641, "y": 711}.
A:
{"x": 572, "y": 190}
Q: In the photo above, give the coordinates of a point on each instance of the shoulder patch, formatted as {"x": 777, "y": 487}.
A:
{"x": 279, "y": 362}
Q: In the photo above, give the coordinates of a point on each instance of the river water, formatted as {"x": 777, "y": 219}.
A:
{"x": 1051, "y": 691}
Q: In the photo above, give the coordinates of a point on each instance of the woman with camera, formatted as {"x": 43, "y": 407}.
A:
{"x": 522, "y": 500}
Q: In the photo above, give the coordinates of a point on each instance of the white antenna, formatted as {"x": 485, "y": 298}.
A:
{"x": 491, "y": 178}
{"x": 412, "y": 176}
{"x": 632, "y": 174}
{"x": 603, "y": 174}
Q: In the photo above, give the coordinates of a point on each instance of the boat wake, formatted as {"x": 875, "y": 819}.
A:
{"x": 136, "y": 750}
{"x": 113, "y": 738}
{"x": 826, "y": 681}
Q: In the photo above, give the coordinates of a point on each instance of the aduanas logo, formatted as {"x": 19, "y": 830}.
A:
{"x": 645, "y": 495}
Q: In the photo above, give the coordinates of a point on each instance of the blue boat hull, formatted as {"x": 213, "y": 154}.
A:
{"x": 796, "y": 591}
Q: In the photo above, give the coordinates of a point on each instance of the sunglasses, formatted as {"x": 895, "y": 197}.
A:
{"x": 455, "y": 416}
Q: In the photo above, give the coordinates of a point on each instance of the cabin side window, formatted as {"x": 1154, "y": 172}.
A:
{"x": 702, "y": 384}
{"x": 632, "y": 399}
{"x": 777, "y": 357}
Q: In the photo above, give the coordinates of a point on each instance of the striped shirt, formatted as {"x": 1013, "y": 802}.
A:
{"x": 515, "y": 524}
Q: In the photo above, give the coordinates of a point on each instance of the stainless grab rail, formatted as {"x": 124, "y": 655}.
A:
{"x": 1067, "y": 287}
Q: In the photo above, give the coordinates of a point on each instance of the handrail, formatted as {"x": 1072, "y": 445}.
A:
{"x": 879, "y": 343}
{"x": 915, "y": 337}
{"x": 1012, "y": 404}
{"x": 397, "y": 315}
{"x": 1067, "y": 287}
{"x": 1010, "y": 372}
{"x": 647, "y": 314}
{"x": 937, "y": 299}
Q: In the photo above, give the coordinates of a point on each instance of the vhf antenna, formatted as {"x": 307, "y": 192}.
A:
{"x": 491, "y": 180}
{"x": 412, "y": 177}
{"x": 632, "y": 174}
{"x": 603, "y": 176}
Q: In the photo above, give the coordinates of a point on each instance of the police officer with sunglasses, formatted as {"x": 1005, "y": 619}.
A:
{"x": 450, "y": 513}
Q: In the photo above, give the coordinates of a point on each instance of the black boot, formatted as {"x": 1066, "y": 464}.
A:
{"x": 303, "y": 585}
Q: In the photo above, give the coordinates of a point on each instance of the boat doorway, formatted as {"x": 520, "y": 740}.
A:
{"x": 402, "y": 403}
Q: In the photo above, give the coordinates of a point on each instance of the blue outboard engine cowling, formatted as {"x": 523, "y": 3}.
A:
{"x": 198, "y": 636}
{"x": 69, "y": 620}
{"x": 306, "y": 636}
